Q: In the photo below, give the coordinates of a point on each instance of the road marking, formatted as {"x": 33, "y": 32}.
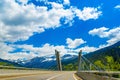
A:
{"x": 74, "y": 77}
{"x": 53, "y": 77}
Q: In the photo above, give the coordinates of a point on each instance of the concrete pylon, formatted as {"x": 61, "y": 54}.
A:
{"x": 79, "y": 60}
{"x": 59, "y": 65}
{"x": 90, "y": 66}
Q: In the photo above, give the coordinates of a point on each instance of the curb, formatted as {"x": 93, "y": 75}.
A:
{"x": 76, "y": 77}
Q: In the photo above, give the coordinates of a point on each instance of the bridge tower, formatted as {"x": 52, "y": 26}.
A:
{"x": 79, "y": 60}
{"x": 59, "y": 65}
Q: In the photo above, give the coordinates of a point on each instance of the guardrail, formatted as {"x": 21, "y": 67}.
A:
{"x": 21, "y": 68}
{"x": 99, "y": 75}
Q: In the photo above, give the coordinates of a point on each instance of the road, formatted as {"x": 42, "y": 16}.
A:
{"x": 38, "y": 75}
{"x": 63, "y": 76}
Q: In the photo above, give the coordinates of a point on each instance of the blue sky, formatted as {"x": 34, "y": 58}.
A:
{"x": 30, "y": 28}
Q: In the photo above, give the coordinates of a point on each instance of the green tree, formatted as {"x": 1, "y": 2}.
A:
{"x": 110, "y": 62}
{"x": 99, "y": 64}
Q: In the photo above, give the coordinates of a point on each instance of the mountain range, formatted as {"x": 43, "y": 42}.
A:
{"x": 8, "y": 63}
{"x": 70, "y": 61}
{"x": 45, "y": 62}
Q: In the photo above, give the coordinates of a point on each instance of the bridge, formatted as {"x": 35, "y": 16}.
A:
{"x": 89, "y": 71}
{"x": 86, "y": 71}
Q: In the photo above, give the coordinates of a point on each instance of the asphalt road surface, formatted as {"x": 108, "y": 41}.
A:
{"x": 64, "y": 76}
{"x": 38, "y": 75}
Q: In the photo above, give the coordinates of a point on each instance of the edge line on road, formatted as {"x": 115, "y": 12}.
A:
{"x": 74, "y": 77}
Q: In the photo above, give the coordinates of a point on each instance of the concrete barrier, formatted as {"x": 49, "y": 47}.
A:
{"x": 95, "y": 76}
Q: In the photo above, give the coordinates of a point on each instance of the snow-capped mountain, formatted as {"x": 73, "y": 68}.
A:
{"x": 44, "y": 61}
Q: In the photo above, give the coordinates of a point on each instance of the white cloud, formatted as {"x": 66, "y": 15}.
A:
{"x": 115, "y": 39}
{"x": 87, "y": 49}
{"x": 74, "y": 43}
{"x": 14, "y": 33}
{"x": 88, "y": 13}
{"x": 117, "y": 7}
{"x": 46, "y": 49}
{"x": 23, "y": 20}
{"x": 4, "y": 48}
{"x": 56, "y": 5}
{"x": 66, "y": 2}
{"x": 103, "y": 45}
{"x": 29, "y": 51}
{"x": 111, "y": 34}
{"x": 101, "y": 32}
{"x": 19, "y": 55}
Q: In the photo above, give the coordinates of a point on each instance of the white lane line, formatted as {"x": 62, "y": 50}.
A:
{"x": 53, "y": 77}
{"x": 74, "y": 77}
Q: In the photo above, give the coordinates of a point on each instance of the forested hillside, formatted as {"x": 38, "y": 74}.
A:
{"x": 106, "y": 59}
{"x": 8, "y": 63}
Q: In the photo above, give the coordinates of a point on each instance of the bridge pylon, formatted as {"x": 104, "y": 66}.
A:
{"x": 59, "y": 65}
{"x": 79, "y": 60}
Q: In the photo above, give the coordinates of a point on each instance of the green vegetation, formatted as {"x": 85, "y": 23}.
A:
{"x": 70, "y": 66}
{"x": 108, "y": 63}
{"x": 5, "y": 64}
{"x": 106, "y": 59}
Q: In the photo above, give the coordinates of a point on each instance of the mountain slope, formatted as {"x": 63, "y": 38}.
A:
{"x": 8, "y": 63}
{"x": 47, "y": 62}
{"x": 107, "y": 58}
{"x": 113, "y": 50}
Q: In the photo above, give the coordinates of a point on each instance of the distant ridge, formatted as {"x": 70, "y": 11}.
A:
{"x": 113, "y": 50}
{"x": 8, "y": 63}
